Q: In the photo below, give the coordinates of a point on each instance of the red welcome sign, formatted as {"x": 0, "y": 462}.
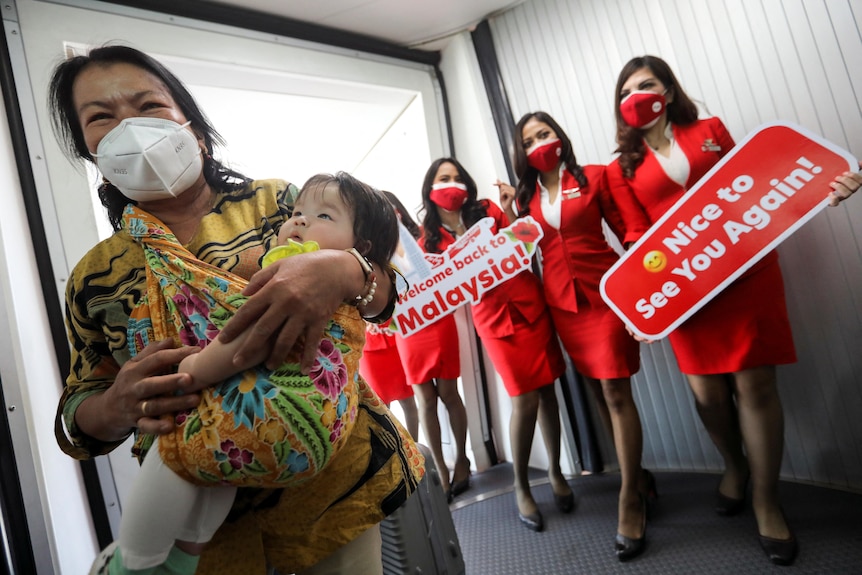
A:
{"x": 478, "y": 261}
{"x": 771, "y": 183}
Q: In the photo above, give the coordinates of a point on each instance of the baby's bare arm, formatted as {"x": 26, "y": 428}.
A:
{"x": 214, "y": 363}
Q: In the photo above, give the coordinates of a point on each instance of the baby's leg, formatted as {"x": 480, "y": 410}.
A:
{"x": 162, "y": 507}
{"x": 211, "y": 509}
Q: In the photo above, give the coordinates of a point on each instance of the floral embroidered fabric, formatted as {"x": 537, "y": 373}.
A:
{"x": 260, "y": 427}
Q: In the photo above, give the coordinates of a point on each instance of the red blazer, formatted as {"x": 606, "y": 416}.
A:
{"x": 575, "y": 257}
{"x": 650, "y": 193}
{"x": 521, "y": 294}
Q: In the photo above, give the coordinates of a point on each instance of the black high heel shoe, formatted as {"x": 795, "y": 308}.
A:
{"x": 565, "y": 503}
{"x": 651, "y": 491}
{"x": 533, "y": 521}
{"x": 456, "y": 488}
{"x": 729, "y": 506}
{"x": 780, "y": 551}
{"x": 628, "y": 548}
{"x": 460, "y": 487}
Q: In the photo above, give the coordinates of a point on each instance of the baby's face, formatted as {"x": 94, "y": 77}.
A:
{"x": 320, "y": 215}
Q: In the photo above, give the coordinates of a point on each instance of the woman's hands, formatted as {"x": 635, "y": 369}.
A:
{"x": 844, "y": 186}
{"x": 144, "y": 390}
{"x": 507, "y": 199}
{"x": 293, "y": 299}
{"x": 638, "y": 338}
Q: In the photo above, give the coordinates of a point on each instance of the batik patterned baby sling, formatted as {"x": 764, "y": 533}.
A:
{"x": 261, "y": 428}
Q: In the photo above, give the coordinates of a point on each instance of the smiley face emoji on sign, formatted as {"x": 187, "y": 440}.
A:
{"x": 655, "y": 261}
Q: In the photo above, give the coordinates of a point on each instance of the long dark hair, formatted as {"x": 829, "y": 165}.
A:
{"x": 406, "y": 218}
{"x": 67, "y": 126}
{"x": 375, "y": 225}
{"x": 528, "y": 175}
{"x": 680, "y": 111}
{"x": 471, "y": 212}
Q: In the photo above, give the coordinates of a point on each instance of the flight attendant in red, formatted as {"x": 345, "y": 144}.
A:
{"x": 381, "y": 367}
{"x": 570, "y": 202}
{"x": 729, "y": 349}
{"x": 515, "y": 328}
{"x": 432, "y": 364}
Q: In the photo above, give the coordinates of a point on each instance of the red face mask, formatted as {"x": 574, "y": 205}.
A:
{"x": 449, "y": 195}
{"x": 546, "y": 157}
{"x": 641, "y": 109}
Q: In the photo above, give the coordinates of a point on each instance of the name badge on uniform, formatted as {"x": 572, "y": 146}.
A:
{"x": 709, "y": 145}
{"x": 572, "y": 193}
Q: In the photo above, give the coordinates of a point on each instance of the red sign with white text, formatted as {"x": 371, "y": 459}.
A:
{"x": 771, "y": 183}
{"x": 477, "y": 262}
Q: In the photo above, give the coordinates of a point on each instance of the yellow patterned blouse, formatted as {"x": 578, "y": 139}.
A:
{"x": 289, "y": 529}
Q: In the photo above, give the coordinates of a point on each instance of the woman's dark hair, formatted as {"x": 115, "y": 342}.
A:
{"x": 67, "y": 124}
{"x": 528, "y": 175}
{"x": 375, "y": 225}
{"x": 406, "y": 219}
{"x": 471, "y": 212}
{"x": 681, "y": 110}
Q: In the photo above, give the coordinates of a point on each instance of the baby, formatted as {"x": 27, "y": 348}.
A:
{"x": 254, "y": 427}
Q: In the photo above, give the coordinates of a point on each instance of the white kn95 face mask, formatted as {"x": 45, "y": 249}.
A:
{"x": 149, "y": 158}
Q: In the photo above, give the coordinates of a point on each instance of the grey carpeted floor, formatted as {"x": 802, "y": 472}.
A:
{"x": 684, "y": 535}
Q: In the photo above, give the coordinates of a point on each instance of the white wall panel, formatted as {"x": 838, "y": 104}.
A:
{"x": 748, "y": 62}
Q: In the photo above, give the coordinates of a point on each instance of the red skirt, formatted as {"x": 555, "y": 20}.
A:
{"x": 528, "y": 359}
{"x": 745, "y": 326}
{"x": 381, "y": 367}
{"x": 431, "y": 353}
{"x": 597, "y": 341}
